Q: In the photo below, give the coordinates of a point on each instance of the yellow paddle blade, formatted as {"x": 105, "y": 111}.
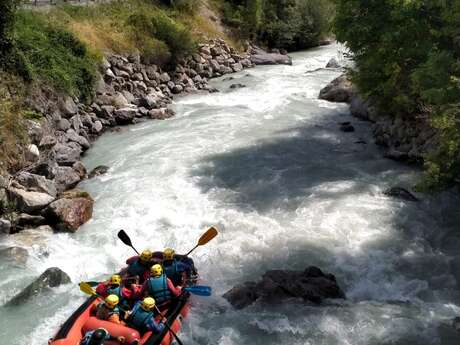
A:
{"x": 87, "y": 289}
{"x": 207, "y": 236}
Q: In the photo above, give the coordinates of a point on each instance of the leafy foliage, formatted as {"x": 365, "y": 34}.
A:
{"x": 289, "y": 24}
{"x": 407, "y": 56}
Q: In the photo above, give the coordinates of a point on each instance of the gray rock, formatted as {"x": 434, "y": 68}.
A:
{"x": 400, "y": 193}
{"x": 98, "y": 171}
{"x": 177, "y": 89}
{"x": 52, "y": 277}
{"x": 161, "y": 114}
{"x": 37, "y": 183}
{"x": 29, "y": 202}
{"x": 67, "y": 154}
{"x": 70, "y": 212}
{"x": 5, "y": 226}
{"x": 16, "y": 254}
{"x": 333, "y": 63}
{"x": 215, "y": 65}
{"x": 150, "y": 101}
{"x": 67, "y": 107}
{"x": 361, "y": 108}
{"x": 271, "y": 59}
{"x": 74, "y": 137}
{"x": 32, "y": 154}
{"x": 47, "y": 142}
{"x": 164, "y": 77}
{"x": 97, "y": 127}
{"x": 395, "y": 154}
{"x": 76, "y": 123}
{"x": 80, "y": 168}
{"x": 125, "y": 115}
{"x": 106, "y": 111}
{"x": 278, "y": 285}
{"x": 63, "y": 125}
{"x": 347, "y": 128}
{"x": 338, "y": 90}
{"x": 66, "y": 178}
{"x": 237, "y": 86}
{"x": 34, "y": 131}
{"x": 27, "y": 220}
{"x": 237, "y": 67}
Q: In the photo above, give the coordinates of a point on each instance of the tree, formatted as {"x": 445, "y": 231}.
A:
{"x": 7, "y": 15}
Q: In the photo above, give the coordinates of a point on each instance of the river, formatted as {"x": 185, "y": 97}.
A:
{"x": 268, "y": 165}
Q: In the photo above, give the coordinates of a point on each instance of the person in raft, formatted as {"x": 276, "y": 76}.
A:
{"x": 108, "y": 310}
{"x": 98, "y": 337}
{"x": 142, "y": 317}
{"x": 114, "y": 287}
{"x": 138, "y": 266}
{"x": 159, "y": 286}
{"x": 176, "y": 270}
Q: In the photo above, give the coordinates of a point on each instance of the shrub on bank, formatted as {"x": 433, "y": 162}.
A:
{"x": 289, "y": 24}
{"x": 407, "y": 56}
{"x": 53, "y": 55}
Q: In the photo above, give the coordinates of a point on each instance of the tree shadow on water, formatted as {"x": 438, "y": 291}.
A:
{"x": 280, "y": 171}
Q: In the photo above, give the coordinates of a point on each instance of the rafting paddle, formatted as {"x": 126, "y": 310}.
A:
{"x": 200, "y": 290}
{"x": 87, "y": 289}
{"x": 123, "y": 236}
{"x": 169, "y": 328}
{"x": 205, "y": 238}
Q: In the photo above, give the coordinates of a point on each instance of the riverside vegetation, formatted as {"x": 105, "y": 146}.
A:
{"x": 71, "y": 72}
{"x": 407, "y": 56}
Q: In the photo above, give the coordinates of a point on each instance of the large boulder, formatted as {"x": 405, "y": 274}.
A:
{"x": 37, "y": 183}
{"x": 67, "y": 107}
{"x": 277, "y": 285}
{"x": 338, "y": 90}
{"x": 5, "y": 226}
{"x": 52, "y": 277}
{"x": 73, "y": 136}
{"x": 28, "y": 201}
{"x": 71, "y": 211}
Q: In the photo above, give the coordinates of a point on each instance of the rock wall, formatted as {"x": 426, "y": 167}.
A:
{"x": 127, "y": 92}
{"x": 405, "y": 139}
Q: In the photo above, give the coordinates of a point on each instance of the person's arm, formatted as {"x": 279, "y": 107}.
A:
{"x": 176, "y": 291}
{"x": 154, "y": 326}
{"x": 101, "y": 289}
{"x": 115, "y": 318}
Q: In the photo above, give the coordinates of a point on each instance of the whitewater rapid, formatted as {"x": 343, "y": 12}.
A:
{"x": 268, "y": 165}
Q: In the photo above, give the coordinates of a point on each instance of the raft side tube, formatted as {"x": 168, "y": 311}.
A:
{"x": 114, "y": 329}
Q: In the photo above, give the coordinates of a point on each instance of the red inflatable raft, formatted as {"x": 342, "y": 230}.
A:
{"x": 81, "y": 321}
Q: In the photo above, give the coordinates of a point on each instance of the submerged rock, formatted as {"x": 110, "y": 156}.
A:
{"x": 98, "y": 171}
{"x": 311, "y": 285}
{"x": 333, "y": 63}
{"x": 263, "y": 58}
{"x": 237, "y": 86}
{"x": 16, "y": 254}
{"x": 401, "y": 193}
{"x": 52, "y": 277}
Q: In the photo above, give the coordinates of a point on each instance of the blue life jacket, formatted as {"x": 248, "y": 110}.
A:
{"x": 172, "y": 272}
{"x": 114, "y": 291}
{"x": 104, "y": 313}
{"x": 136, "y": 268}
{"x": 139, "y": 318}
{"x": 158, "y": 289}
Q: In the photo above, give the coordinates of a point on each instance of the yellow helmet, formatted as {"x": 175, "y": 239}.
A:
{"x": 168, "y": 254}
{"x": 115, "y": 280}
{"x": 148, "y": 303}
{"x": 156, "y": 270}
{"x": 111, "y": 301}
{"x": 146, "y": 255}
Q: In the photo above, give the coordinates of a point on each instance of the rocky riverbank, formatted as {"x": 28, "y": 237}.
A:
{"x": 42, "y": 194}
{"x": 405, "y": 139}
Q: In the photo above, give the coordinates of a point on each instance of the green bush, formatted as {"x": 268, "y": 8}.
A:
{"x": 407, "y": 55}
{"x": 48, "y": 53}
{"x": 176, "y": 36}
{"x": 289, "y": 24}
